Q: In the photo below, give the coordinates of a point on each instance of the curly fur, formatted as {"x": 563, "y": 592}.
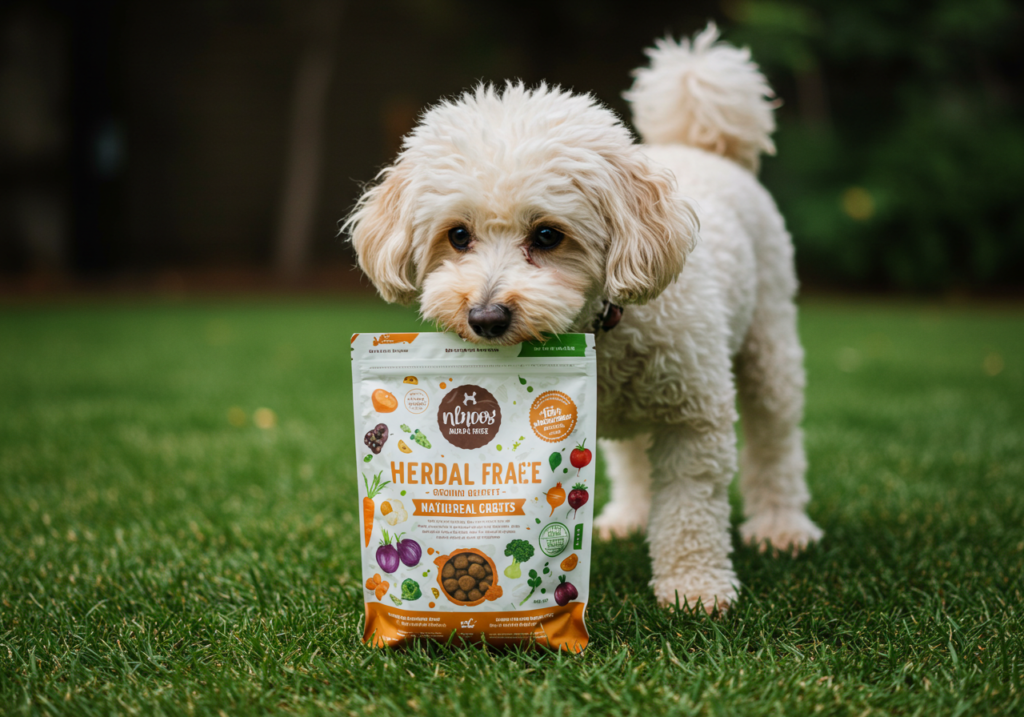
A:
{"x": 501, "y": 162}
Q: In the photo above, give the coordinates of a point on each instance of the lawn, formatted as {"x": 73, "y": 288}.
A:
{"x": 164, "y": 548}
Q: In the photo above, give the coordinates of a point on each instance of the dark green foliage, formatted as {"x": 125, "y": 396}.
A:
{"x": 901, "y": 137}
{"x": 156, "y": 559}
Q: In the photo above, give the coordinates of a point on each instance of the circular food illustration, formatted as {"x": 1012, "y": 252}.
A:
{"x": 467, "y": 577}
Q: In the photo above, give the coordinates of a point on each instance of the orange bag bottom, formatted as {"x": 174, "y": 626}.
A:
{"x": 559, "y": 628}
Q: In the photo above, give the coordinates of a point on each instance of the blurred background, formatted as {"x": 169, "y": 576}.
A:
{"x": 217, "y": 144}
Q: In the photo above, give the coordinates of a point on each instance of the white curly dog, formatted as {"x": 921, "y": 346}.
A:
{"x": 514, "y": 212}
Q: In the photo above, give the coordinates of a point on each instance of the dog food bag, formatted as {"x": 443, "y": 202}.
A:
{"x": 476, "y": 487}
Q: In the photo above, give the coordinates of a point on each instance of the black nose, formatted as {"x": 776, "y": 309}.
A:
{"x": 490, "y": 321}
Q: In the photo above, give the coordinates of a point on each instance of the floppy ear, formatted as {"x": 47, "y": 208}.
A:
{"x": 652, "y": 229}
{"x": 382, "y": 237}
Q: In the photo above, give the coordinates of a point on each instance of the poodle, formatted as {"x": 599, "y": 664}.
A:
{"x": 514, "y": 212}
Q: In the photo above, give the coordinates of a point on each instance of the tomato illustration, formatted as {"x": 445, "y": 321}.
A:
{"x": 580, "y": 457}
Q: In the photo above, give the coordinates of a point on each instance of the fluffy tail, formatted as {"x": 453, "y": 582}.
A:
{"x": 706, "y": 94}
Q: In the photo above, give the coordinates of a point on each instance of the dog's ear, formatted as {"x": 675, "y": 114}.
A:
{"x": 382, "y": 236}
{"x": 652, "y": 229}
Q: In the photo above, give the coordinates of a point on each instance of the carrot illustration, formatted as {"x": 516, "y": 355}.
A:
{"x": 372, "y": 490}
{"x": 556, "y": 496}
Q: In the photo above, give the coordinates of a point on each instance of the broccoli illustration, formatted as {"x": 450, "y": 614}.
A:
{"x": 411, "y": 590}
{"x": 520, "y": 551}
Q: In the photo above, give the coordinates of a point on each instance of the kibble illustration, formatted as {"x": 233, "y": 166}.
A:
{"x": 467, "y": 577}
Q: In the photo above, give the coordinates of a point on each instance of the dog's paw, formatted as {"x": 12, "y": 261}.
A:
{"x": 781, "y": 531}
{"x": 620, "y": 521}
{"x": 712, "y": 595}
{"x": 709, "y": 591}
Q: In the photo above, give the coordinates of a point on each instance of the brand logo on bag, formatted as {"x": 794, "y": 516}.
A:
{"x": 469, "y": 416}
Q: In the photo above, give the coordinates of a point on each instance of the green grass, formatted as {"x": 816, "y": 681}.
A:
{"x": 155, "y": 558}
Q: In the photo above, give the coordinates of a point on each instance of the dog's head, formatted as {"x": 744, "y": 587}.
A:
{"x": 512, "y": 211}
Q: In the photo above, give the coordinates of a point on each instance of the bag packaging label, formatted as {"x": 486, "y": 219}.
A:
{"x": 476, "y": 487}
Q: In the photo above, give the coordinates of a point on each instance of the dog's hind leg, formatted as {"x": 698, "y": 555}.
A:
{"x": 770, "y": 377}
{"x": 629, "y": 471}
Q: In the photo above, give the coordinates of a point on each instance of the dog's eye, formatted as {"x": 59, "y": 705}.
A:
{"x": 460, "y": 238}
{"x": 547, "y": 238}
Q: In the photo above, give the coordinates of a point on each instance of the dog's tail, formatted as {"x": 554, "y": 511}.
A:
{"x": 705, "y": 94}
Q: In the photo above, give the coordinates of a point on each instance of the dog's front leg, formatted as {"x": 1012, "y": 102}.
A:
{"x": 688, "y": 532}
